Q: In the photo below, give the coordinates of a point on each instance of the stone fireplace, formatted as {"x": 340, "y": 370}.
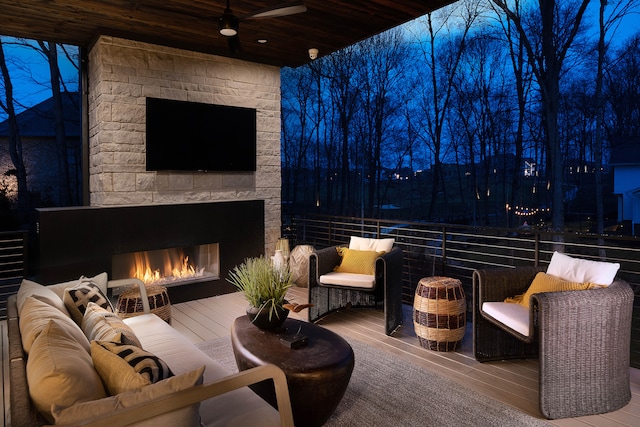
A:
{"x": 123, "y": 73}
{"x": 133, "y": 210}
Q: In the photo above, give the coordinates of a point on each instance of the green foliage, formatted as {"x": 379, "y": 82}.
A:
{"x": 264, "y": 286}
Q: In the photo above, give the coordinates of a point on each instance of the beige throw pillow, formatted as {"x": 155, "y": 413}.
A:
{"x": 60, "y": 371}
{"x": 100, "y": 324}
{"x": 46, "y": 295}
{"x": 36, "y": 314}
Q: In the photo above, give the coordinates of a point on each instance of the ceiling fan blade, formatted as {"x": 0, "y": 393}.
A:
{"x": 283, "y": 9}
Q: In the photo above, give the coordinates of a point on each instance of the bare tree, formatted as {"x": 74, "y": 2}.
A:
{"x": 298, "y": 128}
{"x": 547, "y": 40}
{"x": 610, "y": 15}
{"x": 50, "y": 50}
{"x": 15, "y": 143}
{"x": 443, "y": 49}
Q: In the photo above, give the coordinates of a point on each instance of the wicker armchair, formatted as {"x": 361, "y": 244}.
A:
{"x": 582, "y": 339}
{"x": 387, "y": 292}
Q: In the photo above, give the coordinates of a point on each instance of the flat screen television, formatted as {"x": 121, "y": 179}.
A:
{"x": 191, "y": 136}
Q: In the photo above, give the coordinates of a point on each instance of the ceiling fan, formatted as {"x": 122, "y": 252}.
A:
{"x": 229, "y": 24}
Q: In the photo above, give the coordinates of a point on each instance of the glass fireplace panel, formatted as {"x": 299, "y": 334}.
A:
{"x": 168, "y": 267}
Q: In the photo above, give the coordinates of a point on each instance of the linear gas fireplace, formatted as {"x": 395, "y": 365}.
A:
{"x": 207, "y": 240}
{"x": 169, "y": 267}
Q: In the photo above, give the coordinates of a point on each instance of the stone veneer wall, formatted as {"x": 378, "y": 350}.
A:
{"x": 123, "y": 72}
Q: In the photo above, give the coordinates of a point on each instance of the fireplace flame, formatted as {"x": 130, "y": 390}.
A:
{"x": 173, "y": 268}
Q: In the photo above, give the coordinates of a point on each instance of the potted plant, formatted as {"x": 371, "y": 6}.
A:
{"x": 265, "y": 286}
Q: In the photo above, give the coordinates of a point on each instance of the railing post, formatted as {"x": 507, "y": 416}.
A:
{"x": 444, "y": 247}
{"x": 536, "y": 250}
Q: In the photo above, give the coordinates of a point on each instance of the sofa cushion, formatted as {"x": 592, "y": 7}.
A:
{"x": 46, "y": 295}
{"x": 124, "y": 367}
{"x": 357, "y": 261}
{"x": 547, "y": 283}
{"x": 79, "y": 296}
{"x": 514, "y": 316}
{"x": 367, "y": 244}
{"x": 99, "y": 324}
{"x": 36, "y": 315}
{"x": 98, "y": 409}
{"x": 349, "y": 280}
{"x": 60, "y": 371}
{"x": 582, "y": 270}
{"x": 240, "y": 407}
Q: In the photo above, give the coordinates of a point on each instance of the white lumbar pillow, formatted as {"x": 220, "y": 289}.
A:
{"x": 366, "y": 244}
{"x": 582, "y": 270}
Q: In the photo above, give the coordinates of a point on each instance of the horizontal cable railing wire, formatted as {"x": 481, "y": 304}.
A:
{"x": 434, "y": 249}
{"x": 13, "y": 265}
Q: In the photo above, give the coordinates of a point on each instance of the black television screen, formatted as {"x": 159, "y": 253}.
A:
{"x": 190, "y": 136}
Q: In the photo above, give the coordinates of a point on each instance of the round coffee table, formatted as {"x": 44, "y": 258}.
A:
{"x": 317, "y": 374}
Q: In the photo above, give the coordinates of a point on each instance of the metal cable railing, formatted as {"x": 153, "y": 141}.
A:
{"x": 456, "y": 251}
{"x": 13, "y": 265}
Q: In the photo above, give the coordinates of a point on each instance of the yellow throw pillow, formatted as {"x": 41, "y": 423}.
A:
{"x": 124, "y": 367}
{"x": 359, "y": 262}
{"x": 547, "y": 283}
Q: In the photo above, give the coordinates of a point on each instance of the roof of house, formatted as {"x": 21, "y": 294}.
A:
{"x": 627, "y": 153}
{"x": 38, "y": 121}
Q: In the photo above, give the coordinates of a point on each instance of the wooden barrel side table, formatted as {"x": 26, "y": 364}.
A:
{"x": 439, "y": 313}
{"x": 130, "y": 304}
{"x": 317, "y": 374}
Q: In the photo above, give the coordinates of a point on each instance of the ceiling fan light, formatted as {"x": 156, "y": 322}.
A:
{"x": 228, "y": 25}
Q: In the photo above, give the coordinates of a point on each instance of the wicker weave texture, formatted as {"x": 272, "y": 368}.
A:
{"x": 130, "y": 303}
{"x": 582, "y": 339}
{"x": 439, "y": 313}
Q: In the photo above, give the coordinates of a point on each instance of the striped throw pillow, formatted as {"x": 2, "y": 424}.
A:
{"x": 124, "y": 367}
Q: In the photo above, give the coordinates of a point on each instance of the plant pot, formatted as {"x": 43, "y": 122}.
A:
{"x": 260, "y": 318}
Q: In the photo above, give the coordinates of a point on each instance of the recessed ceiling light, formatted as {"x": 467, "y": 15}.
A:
{"x": 262, "y": 41}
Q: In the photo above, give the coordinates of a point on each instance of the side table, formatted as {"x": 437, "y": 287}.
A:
{"x": 317, "y": 374}
{"x": 439, "y": 313}
{"x": 130, "y": 303}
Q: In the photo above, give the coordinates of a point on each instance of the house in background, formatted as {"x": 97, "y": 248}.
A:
{"x": 37, "y": 131}
{"x": 625, "y": 161}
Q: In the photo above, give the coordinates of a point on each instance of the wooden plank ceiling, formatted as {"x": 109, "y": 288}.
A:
{"x": 327, "y": 25}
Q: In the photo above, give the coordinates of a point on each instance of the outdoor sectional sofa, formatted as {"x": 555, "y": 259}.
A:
{"x": 55, "y": 377}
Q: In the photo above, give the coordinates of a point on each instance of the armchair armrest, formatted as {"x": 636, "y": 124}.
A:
{"x": 389, "y": 263}
{"x": 586, "y": 333}
{"x": 198, "y": 393}
{"x": 133, "y": 281}
{"x": 496, "y": 284}
{"x": 322, "y": 261}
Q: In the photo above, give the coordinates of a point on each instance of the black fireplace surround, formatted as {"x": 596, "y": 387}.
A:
{"x": 82, "y": 240}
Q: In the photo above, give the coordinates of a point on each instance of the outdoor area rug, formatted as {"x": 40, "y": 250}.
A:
{"x": 386, "y": 390}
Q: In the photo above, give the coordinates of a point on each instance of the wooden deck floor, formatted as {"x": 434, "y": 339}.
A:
{"x": 512, "y": 382}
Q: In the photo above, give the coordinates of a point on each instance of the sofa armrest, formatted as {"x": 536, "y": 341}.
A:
{"x": 198, "y": 393}
{"x": 133, "y": 281}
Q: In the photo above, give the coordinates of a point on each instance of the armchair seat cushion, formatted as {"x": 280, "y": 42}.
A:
{"x": 348, "y": 280}
{"x": 515, "y": 316}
